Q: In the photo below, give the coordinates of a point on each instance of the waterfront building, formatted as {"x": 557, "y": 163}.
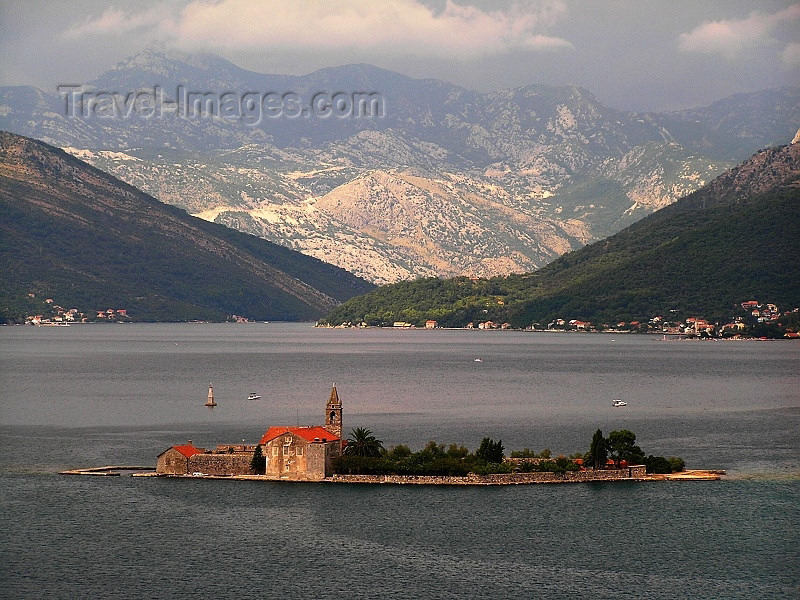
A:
{"x": 292, "y": 453}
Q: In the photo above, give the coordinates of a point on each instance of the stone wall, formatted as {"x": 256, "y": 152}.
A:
{"x": 630, "y": 473}
{"x": 171, "y": 462}
{"x": 318, "y": 462}
{"x": 221, "y": 464}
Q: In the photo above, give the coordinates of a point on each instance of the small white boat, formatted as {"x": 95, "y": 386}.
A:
{"x": 618, "y": 403}
{"x": 253, "y": 396}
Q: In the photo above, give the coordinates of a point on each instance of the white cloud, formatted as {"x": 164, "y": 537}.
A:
{"x": 399, "y": 25}
{"x": 115, "y": 21}
{"x": 730, "y": 37}
{"x": 545, "y": 42}
{"x": 791, "y": 55}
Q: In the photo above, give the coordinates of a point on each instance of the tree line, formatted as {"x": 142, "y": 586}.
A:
{"x": 364, "y": 454}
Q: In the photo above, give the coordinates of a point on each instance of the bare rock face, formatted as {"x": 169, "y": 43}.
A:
{"x": 760, "y": 174}
{"x": 796, "y": 137}
{"x": 446, "y": 181}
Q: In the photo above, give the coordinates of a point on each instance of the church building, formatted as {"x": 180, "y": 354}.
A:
{"x": 291, "y": 453}
{"x": 305, "y": 453}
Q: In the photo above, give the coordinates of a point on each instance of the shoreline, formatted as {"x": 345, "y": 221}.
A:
{"x": 469, "y": 480}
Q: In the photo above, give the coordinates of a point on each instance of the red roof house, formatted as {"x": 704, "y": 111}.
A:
{"x": 175, "y": 460}
{"x": 188, "y": 450}
{"x": 310, "y": 434}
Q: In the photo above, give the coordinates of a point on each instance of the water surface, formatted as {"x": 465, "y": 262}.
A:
{"x": 95, "y": 395}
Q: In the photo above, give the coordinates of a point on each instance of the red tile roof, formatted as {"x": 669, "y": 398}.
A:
{"x": 307, "y": 433}
{"x": 188, "y": 450}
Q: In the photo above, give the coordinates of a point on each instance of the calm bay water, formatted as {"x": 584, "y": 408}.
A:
{"x": 95, "y": 395}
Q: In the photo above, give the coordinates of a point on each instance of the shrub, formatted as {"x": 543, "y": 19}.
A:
{"x": 677, "y": 464}
{"x": 657, "y": 464}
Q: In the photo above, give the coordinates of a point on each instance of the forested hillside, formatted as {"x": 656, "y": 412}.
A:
{"x": 732, "y": 241}
{"x": 73, "y": 233}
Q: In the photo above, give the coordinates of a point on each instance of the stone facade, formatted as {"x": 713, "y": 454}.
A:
{"x": 300, "y": 453}
{"x": 186, "y": 460}
{"x": 175, "y": 460}
{"x": 172, "y": 462}
{"x": 210, "y": 463}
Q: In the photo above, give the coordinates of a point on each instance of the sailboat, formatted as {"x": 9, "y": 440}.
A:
{"x": 210, "y": 402}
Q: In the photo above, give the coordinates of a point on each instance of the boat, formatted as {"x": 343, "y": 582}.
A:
{"x": 618, "y": 403}
{"x": 253, "y": 396}
{"x": 210, "y": 402}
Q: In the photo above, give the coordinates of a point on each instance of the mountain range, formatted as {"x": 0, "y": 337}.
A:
{"x": 734, "y": 240}
{"x": 75, "y": 234}
{"x": 441, "y": 181}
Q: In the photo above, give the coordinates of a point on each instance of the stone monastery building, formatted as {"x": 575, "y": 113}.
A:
{"x": 291, "y": 453}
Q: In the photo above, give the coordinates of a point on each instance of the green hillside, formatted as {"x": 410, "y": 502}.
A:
{"x": 87, "y": 240}
{"x": 736, "y": 239}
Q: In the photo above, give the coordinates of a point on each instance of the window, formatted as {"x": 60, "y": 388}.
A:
{"x": 299, "y": 451}
{"x": 274, "y": 451}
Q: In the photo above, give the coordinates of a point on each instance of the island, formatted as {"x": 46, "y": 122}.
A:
{"x": 320, "y": 453}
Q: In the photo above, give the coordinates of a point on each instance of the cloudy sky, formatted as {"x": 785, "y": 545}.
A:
{"x": 636, "y": 55}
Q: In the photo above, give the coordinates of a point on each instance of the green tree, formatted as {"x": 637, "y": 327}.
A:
{"x": 526, "y": 453}
{"x": 457, "y": 452}
{"x": 622, "y": 444}
{"x": 398, "y": 452}
{"x": 258, "y": 464}
{"x": 598, "y": 450}
{"x": 677, "y": 464}
{"x": 657, "y": 464}
{"x": 490, "y": 451}
{"x": 363, "y": 443}
{"x": 432, "y": 451}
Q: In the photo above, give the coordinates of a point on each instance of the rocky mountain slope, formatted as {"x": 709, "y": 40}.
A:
{"x": 736, "y": 239}
{"x": 440, "y": 181}
{"x": 72, "y": 232}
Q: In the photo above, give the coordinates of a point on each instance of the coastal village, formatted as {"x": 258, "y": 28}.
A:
{"x": 50, "y": 313}
{"x": 751, "y": 312}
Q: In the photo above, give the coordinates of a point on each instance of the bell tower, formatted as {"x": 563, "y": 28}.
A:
{"x": 333, "y": 413}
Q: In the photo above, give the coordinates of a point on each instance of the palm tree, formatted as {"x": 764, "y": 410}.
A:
{"x": 362, "y": 443}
